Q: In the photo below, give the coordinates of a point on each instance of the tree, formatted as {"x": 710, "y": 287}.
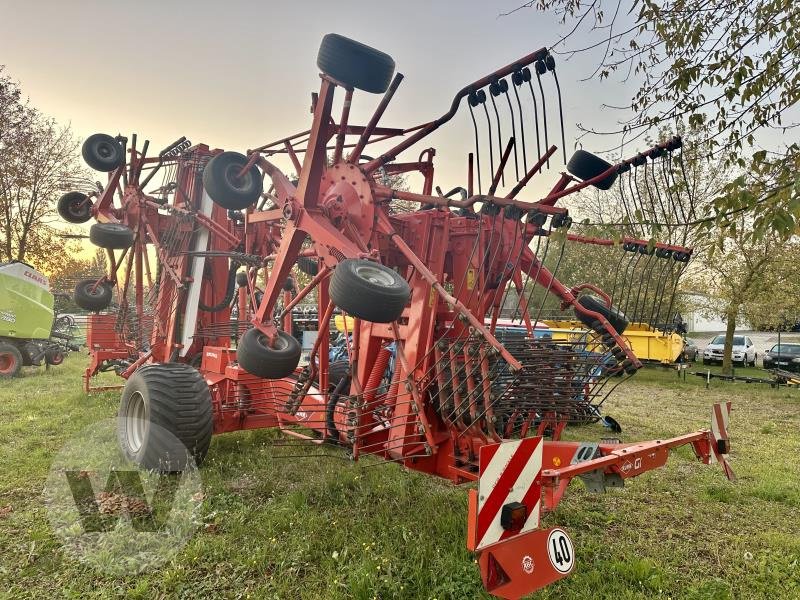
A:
{"x": 746, "y": 272}
{"x": 37, "y": 161}
{"x": 732, "y": 66}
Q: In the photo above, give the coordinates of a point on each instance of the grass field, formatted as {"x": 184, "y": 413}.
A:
{"x": 279, "y": 527}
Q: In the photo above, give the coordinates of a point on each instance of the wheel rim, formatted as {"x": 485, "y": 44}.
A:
{"x": 374, "y": 275}
{"x": 279, "y": 343}
{"x": 104, "y": 150}
{"x": 94, "y": 291}
{"x": 233, "y": 179}
{"x": 7, "y": 363}
{"x": 136, "y": 421}
{"x": 78, "y": 207}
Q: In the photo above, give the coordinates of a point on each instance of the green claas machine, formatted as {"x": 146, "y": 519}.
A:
{"x": 27, "y": 336}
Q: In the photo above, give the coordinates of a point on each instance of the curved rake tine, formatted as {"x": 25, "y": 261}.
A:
{"x": 550, "y": 63}
{"x": 516, "y": 79}
{"x": 504, "y": 89}
{"x": 482, "y": 99}
{"x": 526, "y": 76}
{"x": 492, "y": 94}
{"x": 472, "y": 102}
{"x": 541, "y": 68}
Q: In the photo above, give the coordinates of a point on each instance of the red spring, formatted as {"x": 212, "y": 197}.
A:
{"x": 376, "y": 375}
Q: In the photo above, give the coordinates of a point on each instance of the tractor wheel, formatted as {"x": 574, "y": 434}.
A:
{"x": 164, "y": 418}
{"x": 10, "y": 360}
{"x": 613, "y": 315}
{"x": 355, "y": 64}
{"x": 369, "y": 290}
{"x": 112, "y": 236}
{"x": 308, "y": 265}
{"x": 257, "y": 357}
{"x": 222, "y": 182}
{"x": 102, "y": 152}
{"x": 585, "y": 165}
{"x": 75, "y": 207}
{"x": 90, "y": 296}
{"x": 54, "y": 357}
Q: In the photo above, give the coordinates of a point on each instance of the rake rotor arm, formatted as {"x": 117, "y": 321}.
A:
{"x": 626, "y": 240}
{"x": 463, "y": 93}
{"x": 386, "y": 193}
{"x": 562, "y": 187}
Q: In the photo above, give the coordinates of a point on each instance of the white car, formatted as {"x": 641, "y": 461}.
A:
{"x": 743, "y": 352}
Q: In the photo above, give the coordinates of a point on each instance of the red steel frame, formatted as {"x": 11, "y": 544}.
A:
{"x": 344, "y": 210}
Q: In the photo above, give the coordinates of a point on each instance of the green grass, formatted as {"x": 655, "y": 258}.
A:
{"x": 280, "y": 527}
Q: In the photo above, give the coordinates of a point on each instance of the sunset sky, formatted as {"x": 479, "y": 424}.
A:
{"x": 237, "y": 74}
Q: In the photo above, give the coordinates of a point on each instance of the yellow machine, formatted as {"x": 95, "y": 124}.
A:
{"x": 648, "y": 344}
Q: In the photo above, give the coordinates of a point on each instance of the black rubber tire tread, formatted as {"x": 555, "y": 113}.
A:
{"x": 16, "y": 367}
{"x": 259, "y": 359}
{"x": 585, "y": 165}
{"x": 364, "y": 299}
{"x": 355, "y": 64}
{"x": 111, "y": 236}
{"x": 74, "y": 207}
{"x": 613, "y": 315}
{"x": 102, "y": 152}
{"x": 229, "y": 194}
{"x": 179, "y": 402}
{"x": 336, "y": 370}
{"x": 98, "y": 300}
{"x": 308, "y": 265}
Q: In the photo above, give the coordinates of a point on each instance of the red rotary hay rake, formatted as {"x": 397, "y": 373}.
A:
{"x": 435, "y": 377}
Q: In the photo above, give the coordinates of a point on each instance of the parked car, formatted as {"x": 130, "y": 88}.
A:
{"x": 690, "y": 350}
{"x": 743, "y": 352}
{"x": 783, "y": 356}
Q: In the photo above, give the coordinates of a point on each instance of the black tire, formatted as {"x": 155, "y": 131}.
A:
{"x": 336, "y": 371}
{"x": 369, "y": 290}
{"x": 10, "y": 360}
{"x": 54, "y": 357}
{"x": 95, "y": 299}
{"x": 175, "y": 398}
{"x": 222, "y": 182}
{"x": 75, "y": 207}
{"x": 112, "y": 236}
{"x": 705, "y": 362}
{"x": 257, "y": 357}
{"x": 308, "y": 265}
{"x": 355, "y": 64}
{"x": 102, "y": 152}
{"x": 585, "y": 165}
{"x": 613, "y": 315}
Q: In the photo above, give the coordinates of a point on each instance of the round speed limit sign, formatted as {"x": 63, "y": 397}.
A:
{"x": 560, "y": 551}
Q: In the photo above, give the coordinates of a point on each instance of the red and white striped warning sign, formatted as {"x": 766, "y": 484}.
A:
{"x": 509, "y": 472}
{"x": 719, "y": 429}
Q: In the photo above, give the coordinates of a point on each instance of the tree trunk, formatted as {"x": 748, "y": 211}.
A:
{"x": 727, "y": 364}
